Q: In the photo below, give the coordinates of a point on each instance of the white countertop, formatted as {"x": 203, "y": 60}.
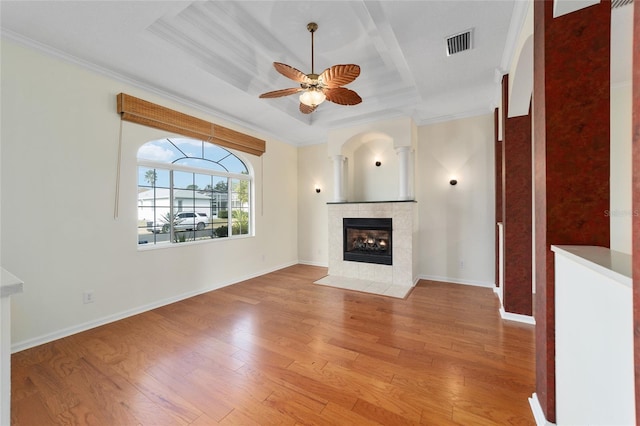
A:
{"x": 613, "y": 264}
{"x": 9, "y": 284}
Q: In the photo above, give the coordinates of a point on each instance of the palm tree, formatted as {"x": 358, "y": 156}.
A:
{"x": 151, "y": 176}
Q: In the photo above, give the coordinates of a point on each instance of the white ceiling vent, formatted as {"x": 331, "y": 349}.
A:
{"x": 620, "y": 3}
{"x": 460, "y": 42}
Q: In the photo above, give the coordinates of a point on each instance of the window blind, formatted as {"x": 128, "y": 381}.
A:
{"x": 149, "y": 114}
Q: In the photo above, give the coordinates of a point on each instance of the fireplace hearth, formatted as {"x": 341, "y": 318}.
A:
{"x": 368, "y": 240}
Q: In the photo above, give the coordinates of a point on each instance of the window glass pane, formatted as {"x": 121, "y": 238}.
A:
{"x": 234, "y": 165}
{"x": 151, "y": 206}
{"x": 240, "y": 206}
{"x": 215, "y": 152}
{"x": 189, "y": 147}
{"x": 146, "y": 197}
{"x": 147, "y": 177}
{"x": 182, "y": 180}
{"x": 146, "y": 217}
{"x": 200, "y": 205}
{"x": 161, "y": 150}
{"x": 163, "y": 198}
{"x": 184, "y": 200}
{"x": 163, "y": 178}
{"x": 203, "y": 182}
{"x": 200, "y": 163}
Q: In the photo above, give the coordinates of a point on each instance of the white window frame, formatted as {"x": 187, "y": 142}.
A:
{"x": 197, "y": 170}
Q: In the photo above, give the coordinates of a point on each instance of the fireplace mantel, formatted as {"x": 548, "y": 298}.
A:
{"x": 371, "y": 202}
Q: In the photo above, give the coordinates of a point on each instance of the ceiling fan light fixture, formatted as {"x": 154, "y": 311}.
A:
{"x": 312, "y": 97}
{"x": 316, "y": 88}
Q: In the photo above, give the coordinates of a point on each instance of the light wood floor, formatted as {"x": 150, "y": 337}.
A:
{"x": 280, "y": 350}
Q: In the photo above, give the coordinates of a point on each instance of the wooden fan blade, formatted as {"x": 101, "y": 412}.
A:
{"x": 282, "y": 92}
{"x": 342, "y": 96}
{"x": 291, "y": 72}
{"x": 306, "y": 109}
{"x": 339, "y": 75}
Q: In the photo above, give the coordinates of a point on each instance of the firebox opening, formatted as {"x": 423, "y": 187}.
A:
{"x": 368, "y": 240}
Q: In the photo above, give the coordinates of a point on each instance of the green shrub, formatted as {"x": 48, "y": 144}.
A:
{"x": 221, "y": 231}
{"x": 240, "y": 228}
{"x": 223, "y": 214}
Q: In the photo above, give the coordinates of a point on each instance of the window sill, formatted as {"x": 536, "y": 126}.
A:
{"x": 166, "y": 245}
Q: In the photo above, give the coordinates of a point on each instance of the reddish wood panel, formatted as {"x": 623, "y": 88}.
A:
{"x": 498, "y": 200}
{"x": 571, "y": 122}
{"x": 517, "y": 210}
{"x": 636, "y": 199}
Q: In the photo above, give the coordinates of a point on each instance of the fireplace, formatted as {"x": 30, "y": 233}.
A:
{"x": 367, "y": 240}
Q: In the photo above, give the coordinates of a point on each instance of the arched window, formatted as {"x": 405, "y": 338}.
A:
{"x": 191, "y": 190}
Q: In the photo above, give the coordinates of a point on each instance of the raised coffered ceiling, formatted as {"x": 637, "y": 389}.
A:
{"x": 218, "y": 55}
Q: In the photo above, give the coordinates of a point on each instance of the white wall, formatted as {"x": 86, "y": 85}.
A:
{"x": 314, "y": 170}
{"x": 620, "y": 211}
{"x": 594, "y": 337}
{"x": 457, "y": 222}
{"x": 59, "y": 160}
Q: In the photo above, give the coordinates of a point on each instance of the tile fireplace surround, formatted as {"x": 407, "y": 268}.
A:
{"x": 394, "y": 280}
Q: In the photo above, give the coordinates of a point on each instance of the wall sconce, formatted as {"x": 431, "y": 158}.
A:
{"x": 318, "y": 190}
{"x": 453, "y": 182}
{"x": 378, "y": 163}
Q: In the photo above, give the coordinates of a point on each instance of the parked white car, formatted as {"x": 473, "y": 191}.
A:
{"x": 182, "y": 221}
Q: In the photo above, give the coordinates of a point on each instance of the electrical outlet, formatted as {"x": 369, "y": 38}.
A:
{"x": 461, "y": 265}
{"x": 87, "y": 297}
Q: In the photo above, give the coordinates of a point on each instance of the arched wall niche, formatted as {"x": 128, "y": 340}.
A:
{"x": 358, "y": 149}
{"x": 365, "y": 180}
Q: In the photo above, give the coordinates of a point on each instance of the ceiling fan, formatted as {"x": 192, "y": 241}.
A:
{"x": 318, "y": 88}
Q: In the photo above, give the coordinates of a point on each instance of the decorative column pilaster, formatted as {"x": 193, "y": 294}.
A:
{"x": 405, "y": 170}
{"x": 339, "y": 193}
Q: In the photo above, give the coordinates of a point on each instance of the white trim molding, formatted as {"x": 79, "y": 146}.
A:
{"x": 526, "y": 319}
{"x": 538, "y": 414}
{"x": 457, "y": 281}
{"x": 313, "y": 263}
{"x": 50, "y": 337}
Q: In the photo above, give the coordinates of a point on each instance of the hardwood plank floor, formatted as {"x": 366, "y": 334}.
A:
{"x": 278, "y": 349}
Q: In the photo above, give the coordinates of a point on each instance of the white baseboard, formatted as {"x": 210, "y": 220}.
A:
{"x": 498, "y": 291}
{"x": 538, "y": 414}
{"x": 59, "y": 334}
{"x": 313, "y": 263}
{"x": 457, "y": 281}
{"x": 517, "y": 317}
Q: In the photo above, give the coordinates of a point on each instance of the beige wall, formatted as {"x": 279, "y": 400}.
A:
{"x": 59, "y": 160}
{"x": 620, "y": 211}
{"x": 314, "y": 169}
{"x": 371, "y": 183}
{"x": 456, "y": 223}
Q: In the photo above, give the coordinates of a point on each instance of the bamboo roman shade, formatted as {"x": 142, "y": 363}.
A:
{"x": 149, "y": 114}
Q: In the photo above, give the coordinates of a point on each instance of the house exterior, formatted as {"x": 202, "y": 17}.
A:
{"x": 209, "y": 202}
